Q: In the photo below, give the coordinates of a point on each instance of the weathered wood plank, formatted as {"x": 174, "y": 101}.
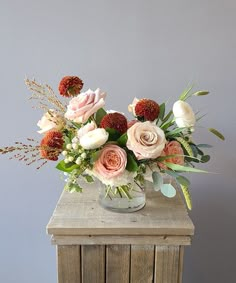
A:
{"x": 68, "y": 264}
{"x": 121, "y": 240}
{"x": 181, "y": 263}
{"x": 117, "y": 263}
{"x": 142, "y": 263}
{"x": 93, "y": 264}
{"x": 80, "y": 214}
{"x": 166, "y": 264}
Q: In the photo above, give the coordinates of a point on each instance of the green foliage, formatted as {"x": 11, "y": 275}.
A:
{"x": 185, "y": 145}
{"x": 187, "y": 196}
{"x": 67, "y": 167}
{"x": 99, "y": 115}
{"x": 162, "y": 111}
{"x": 157, "y": 180}
{"x": 217, "y": 133}
{"x": 186, "y": 93}
{"x": 88, "y": 178}
{"x": 168, "y": 190}
{"x": 177, "y": 167}
{"x": 113, "y": 134}
{"x": 132, "y": 165}
{"x": 201, "y": 93}
{"x": 122, "y": 140}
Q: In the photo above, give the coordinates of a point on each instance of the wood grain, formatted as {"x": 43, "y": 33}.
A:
{"x": 166, "y": 264}
{"x": 142, "y": 264}
{"x": 121, "y": 240}
{"x": 93, "y": 264}
{"x": 80, "y": 214}
{"x": 117, "y": 263}
{"x": 68, "y": 264}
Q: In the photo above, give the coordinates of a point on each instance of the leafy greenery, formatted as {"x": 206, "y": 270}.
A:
{"x": 99, "y": 115}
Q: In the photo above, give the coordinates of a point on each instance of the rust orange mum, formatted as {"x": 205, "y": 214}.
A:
{"x": 115, "y": 121}
{"x": 70, "y": 86}
{"x": 51, "y": 145}
{"x": 147, "y": 109}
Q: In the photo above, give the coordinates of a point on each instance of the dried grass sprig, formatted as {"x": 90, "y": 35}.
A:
{"x": 46, "y": 96}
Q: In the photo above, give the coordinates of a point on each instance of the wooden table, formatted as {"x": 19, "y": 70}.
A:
{"x": 95, "y": 245}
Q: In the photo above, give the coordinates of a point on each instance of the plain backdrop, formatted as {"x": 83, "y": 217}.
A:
{"x": 127, "y": 48}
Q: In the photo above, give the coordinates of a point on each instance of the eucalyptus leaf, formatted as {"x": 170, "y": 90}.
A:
{"x": 205, "y": 158}
{"x": 168, "y": 190}
{"x": 204, "y": 145}
{"x": 88, "y": 178}
{"x": 157, "y": 180}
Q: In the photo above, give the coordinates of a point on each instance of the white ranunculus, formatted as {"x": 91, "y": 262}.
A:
{"x": 94, "y": 139}
{"x": 131, "y": 106}
{"x": 52, "y": 120}
{"x": 184, "y": 115}
{"x": 87, "y": 128}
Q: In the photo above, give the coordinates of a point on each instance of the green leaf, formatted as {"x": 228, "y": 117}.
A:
{"x": 113, "y": 134}
{"x": 172, "y": 173}
{"x": 168, "y": 190}
{"x": 204, "y": 145}
{"x": 187, "y": 196}
{"x": 88, "y": 178}
{"x": 174, "y": 132}
{"x": 186, "y": 93}
{"x": 162, "y": 111}
{"x": 183, "y": 181}
{"x": 66, "y": 167}
{"x": 122, "y": 140}
{"x": 95, "y": 155}
{"x": 99, "y": 115}
{"x": 157, "y": 180}
{"x": 201, "y": 93}
{"x": 76, "y": 125}
{"x": 194, "y": 149}
{"x": 178, "y": 167}
{"x": 166, "y": 125}
{"x": 132, "y": 165}
{"x": 217, "y": 133}
{"x": 185, "y": 145}
{"x": 205, "y": 158}
{"x": 167, "y": 117}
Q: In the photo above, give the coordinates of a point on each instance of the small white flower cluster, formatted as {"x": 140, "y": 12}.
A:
{"x": 73, "y": 149}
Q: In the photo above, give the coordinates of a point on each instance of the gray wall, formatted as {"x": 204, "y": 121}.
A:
{"x": 128, "y": 48}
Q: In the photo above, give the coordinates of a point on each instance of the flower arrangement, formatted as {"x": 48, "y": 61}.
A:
{"x": 97, "y": 144}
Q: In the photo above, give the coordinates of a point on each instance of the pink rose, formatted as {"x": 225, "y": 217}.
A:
{"x": 146, "y": 140}
{"x": 84, "y": 105}
{"x": 172, "y": 148}
{"x": 111, "y": 162}
{"x": 85, "y": 129}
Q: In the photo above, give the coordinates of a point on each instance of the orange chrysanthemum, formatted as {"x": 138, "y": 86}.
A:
{"x": 70, "y": 86}
{"x": 147, "y": 109}
{"x": 115, "y": 121}
{"x": 51, "y": 145}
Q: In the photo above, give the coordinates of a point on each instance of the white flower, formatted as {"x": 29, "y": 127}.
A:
{"x": 85, "y": 129}
{"x": 52, "y": 120}
{"x": 94, "y": 139}
{"x": 184, "y": 115}
{"x": 131, "y": 106}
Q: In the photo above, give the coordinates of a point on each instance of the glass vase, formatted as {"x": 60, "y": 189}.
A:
{"x": 123, "y": 199}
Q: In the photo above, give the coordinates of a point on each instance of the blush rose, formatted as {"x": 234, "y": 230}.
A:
{"x": 84, "y": 105}
{"x": 146, "y": 140}
{"x": 173, "y": 148}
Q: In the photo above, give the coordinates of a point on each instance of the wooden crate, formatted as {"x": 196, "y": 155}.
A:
{"x": 98, "y": 246}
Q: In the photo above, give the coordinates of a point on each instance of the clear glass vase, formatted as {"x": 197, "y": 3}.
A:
{"x": 123, "y": 199}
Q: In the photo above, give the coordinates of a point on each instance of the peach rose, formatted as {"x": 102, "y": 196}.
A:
{"x": 146, "y": 140}
{"x": 172, "y": 148}
{"x": 84, "y": 105}
{"x": 111, "y": 162}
